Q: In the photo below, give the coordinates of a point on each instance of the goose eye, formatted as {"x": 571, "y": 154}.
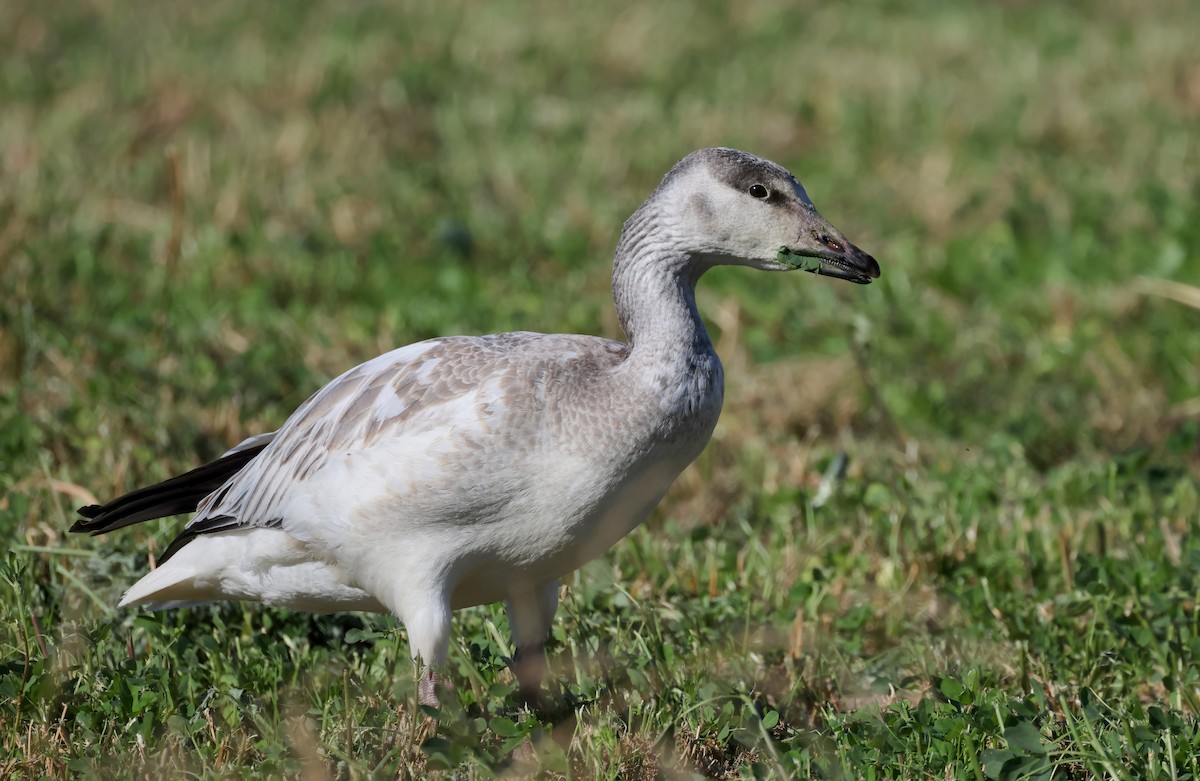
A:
{"x": 758, "y": 191}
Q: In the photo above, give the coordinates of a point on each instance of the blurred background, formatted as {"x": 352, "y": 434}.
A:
{"x": 209, "y": 210}
{"x": 232, "y": 203}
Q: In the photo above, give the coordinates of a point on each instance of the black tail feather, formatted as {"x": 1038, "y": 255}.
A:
{"x": 171, "y": 497}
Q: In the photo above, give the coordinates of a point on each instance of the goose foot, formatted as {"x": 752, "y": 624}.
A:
{"x": 427, "y": 688}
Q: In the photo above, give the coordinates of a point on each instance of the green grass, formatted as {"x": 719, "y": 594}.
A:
{"x": 208, "y": 210}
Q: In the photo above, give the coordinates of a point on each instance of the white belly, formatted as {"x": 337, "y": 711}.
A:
{"x": 521, "y": 553}
{"x": 555, "y": 533}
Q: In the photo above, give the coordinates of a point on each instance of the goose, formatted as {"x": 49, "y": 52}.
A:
{"x": 467, "y": 470}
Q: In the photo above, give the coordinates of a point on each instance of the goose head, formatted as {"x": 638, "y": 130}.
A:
{"x": 730, "y": 207}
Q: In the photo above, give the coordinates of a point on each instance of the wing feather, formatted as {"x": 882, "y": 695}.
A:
{"x": 416, "y": 389}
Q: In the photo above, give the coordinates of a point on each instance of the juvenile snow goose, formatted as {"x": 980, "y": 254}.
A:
{"x": 466, "y": 470}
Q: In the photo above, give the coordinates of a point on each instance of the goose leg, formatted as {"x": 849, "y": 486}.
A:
{"x": 428, "y": 628}
{"x": 530, "y": 614}
{"x": 427, "y": 688}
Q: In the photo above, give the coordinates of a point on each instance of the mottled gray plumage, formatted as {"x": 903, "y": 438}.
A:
{"x": 466, "y": 470}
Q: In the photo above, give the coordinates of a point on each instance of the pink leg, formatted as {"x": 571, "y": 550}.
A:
{"x": 530, "y": 668}
{"x": 428, "y": 686}
{"x": 530, "y": 614}
{"x": 427, "y": 619}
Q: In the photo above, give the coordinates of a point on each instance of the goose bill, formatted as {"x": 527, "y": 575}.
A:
{"x": 851, "y": 264}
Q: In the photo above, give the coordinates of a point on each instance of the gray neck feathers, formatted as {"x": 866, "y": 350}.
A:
{"x": 654, "y": 284}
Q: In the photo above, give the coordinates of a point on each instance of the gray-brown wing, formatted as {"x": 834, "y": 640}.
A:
{"x": 424, "y": 385}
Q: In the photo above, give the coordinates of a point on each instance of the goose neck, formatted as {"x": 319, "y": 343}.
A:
{"x": 654, "y": 287}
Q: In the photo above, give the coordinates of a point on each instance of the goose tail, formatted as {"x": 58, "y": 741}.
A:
{"x": 178, "y": 495}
